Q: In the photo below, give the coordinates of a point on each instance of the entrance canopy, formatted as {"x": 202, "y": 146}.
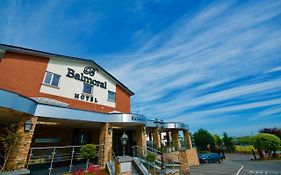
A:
{"x": 23, "y": 104}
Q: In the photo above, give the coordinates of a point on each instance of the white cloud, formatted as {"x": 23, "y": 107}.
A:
{"x": 275, "y": 69}
{"x": 210, "y": 52}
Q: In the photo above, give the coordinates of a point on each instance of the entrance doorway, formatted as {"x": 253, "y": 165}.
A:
{"x": 117, "y": 146}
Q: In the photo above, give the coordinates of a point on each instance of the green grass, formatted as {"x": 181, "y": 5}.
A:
{"x": 244, "y": 149}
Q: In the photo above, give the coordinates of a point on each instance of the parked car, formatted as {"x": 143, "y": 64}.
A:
{"x": 210, "y": 157}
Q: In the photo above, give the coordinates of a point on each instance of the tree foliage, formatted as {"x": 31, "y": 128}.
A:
{"x": 217, "y": 140}
{"x": 8, "y": 138}
{"x": 274, "y": 131}
{"x": 245, "y": 140}
{"x": 88, "y": 151}
{"x": 151, "y": 157}
{"x": 228, "y": 142}
{"x": 266, "y": 142}
{"x": 204, "y": 140}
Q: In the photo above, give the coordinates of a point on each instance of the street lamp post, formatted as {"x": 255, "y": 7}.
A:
{"x": 160, "y": 126}
{"x": 124, "y": 140}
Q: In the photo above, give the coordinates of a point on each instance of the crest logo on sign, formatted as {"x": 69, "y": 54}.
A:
{"x": 89, "y": 70}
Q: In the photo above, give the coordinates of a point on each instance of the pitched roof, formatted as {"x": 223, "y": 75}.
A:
{"x": 23, "y": 50}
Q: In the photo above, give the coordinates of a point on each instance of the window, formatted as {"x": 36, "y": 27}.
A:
{"x": 87, "y": 88}
{"x": 111, "y": 96}
{"x": 52, "y": 79}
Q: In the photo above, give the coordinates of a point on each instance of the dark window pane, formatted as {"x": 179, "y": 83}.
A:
{"x": 87, "y": 89}
{"x": 48, "y": 78}
{"x": 56, "y": 80}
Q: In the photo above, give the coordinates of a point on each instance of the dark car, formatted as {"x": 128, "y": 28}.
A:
{"x": 210, "y": 157}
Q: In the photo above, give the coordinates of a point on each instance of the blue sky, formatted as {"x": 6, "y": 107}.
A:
{"x": 210, "y": 64}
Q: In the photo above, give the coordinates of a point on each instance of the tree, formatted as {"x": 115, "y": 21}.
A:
{"x": 204, "y": 141}
{"x": 228, "y": 142}
{"x": 274, "y": 131}
{"x": 266, "y": 142}
{"x": 245, "y": 140}
{"x": 217, "y": 140}
{"x": 8, "y": 138}
{"x": 88, "y": 152}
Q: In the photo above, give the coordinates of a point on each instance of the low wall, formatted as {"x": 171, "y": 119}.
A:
{"x": 173, "y": 156}
{"x": 192, "y": 156}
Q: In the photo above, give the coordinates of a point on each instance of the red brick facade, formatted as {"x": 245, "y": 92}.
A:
{"x": 24, "y": 74}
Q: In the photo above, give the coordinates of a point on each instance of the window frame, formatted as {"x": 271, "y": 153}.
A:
{"x": 51, "y": 80}
{"x": 111, "y": 100}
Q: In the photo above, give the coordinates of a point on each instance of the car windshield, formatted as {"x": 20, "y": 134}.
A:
{"x": 204, "y": 155}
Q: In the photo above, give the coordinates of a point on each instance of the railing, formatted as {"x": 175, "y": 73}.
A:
{"x": 141, "y": 154}
{"x": 168, "y": 146}
{"x": 111, "y": 165}
{"x": 63, "y": 155}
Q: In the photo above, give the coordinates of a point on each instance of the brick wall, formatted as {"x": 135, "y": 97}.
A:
{"x": 24, "y": 74}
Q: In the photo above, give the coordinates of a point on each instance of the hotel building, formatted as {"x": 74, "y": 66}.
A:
{"x": 62, "y": 102}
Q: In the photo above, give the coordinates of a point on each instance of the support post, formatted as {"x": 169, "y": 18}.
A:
{"x": 141, "y": 137}
{"x": 19, "y": 153}
{"x": 106, "y": 144}
{"x": 156, "y": 138}
{"x": 175, "y": 138}
{"x": 187, "y": 139}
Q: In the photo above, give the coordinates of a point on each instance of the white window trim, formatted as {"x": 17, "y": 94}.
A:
{"x": 110, "y": 100}
{"x": 50, "y": 85}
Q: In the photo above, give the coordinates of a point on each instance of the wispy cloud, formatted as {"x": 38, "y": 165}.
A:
{"x": 216, "y": 63}
{"x": 200, "y": 61}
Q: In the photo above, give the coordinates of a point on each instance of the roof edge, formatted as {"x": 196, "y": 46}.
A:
{"x": 24, "y": 50}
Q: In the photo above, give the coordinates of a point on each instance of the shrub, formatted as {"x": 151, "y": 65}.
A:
{"x": 151, "y": 157}
{"x": 266, "y": 142}
{"x": 244, "y": 149}
{"x": 87, "y": 152}
{"x": 274, "y": 131}
{"x": 9, "y": 137}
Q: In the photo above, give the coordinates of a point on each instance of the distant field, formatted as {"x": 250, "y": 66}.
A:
{"x": 244, "y": 149}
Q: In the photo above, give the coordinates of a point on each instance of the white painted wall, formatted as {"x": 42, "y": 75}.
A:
{"x": 69, "y": 86}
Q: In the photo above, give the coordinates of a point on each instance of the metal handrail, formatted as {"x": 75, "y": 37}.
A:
{"x": 57, "y": 154}
{"x": 174, "y": 163}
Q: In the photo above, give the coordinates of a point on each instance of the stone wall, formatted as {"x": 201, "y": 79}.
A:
{"x": 19, "y": 154}
{"x": 175, "y": 138}
{"x": 183, "y": 159}
{"x": 106, "y": 140}
{"x": 141, "y": 137}
{"x": 192, "y": 157}
{"x": 156, "y": 138}
{"x": 173, "y": 156}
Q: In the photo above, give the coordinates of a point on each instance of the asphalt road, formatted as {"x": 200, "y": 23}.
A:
{"x": 239, "y": 164}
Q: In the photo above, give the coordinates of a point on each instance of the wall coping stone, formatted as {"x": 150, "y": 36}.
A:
{"x": 16, "y": 172}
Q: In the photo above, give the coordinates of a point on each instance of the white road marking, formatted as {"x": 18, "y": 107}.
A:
{"x": 240, "y": 170}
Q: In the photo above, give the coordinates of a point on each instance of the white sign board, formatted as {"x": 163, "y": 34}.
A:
{"x": 126, "y": 167}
